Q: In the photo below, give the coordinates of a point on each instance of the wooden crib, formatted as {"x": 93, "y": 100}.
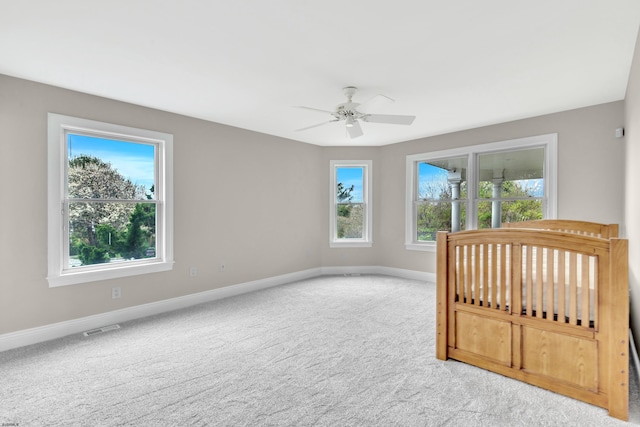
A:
{"x": 543, "y": 306}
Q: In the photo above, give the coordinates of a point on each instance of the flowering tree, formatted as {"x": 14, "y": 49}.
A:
{"x": 101, "y": 224}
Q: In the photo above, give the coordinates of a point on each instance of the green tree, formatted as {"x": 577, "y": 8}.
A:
{"x": 136, "y": 237}
{"x": 524, "y": 209}
{"x": 92, "y": 254}
{"x": 349, "y": 217}
{"x": 435, "y": 213}
{"x": 97, "y": 225}
{"x": 109, "y": 238}
{"x": 344, "y": 196}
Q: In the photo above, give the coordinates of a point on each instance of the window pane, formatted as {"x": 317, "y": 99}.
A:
{"x": 101, "y": 232}
{"x": 435, "y": 178}
{"x": 511, "y": 211}
{"x": 512, "y": 174}
{"x": 350, "y": 184}
{"x": 523, "y": 188}
{"x": 437, "y": 216}
{"x": 350, "y": 221}
{"x": 109, "y": 169}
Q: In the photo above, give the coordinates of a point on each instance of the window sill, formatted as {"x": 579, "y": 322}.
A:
{"x": 425, "y": 247}
{"x": 78, "y": 277}
{"x": 355, "y": 244}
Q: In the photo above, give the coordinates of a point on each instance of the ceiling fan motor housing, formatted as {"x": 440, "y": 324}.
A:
{"x": 348, "y": 109}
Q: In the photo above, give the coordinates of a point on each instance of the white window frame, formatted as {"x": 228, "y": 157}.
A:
{"x": 367, "y": 195}
{"x": 60, "y": 274}
{"x": 550, "y": 144}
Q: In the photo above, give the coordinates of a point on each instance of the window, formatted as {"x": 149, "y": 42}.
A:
{"x": 110, "y": 201}
{"x": 441, "y": 196}
{"x": 479, "y": 187}
{"x": 510, "y": 187}
{"x": 350, "y": 216}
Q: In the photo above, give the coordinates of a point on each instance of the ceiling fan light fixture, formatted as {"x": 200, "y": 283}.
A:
{"x": 349, "y": 122}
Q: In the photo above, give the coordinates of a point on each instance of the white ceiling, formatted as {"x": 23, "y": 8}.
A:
{"x": 455, "y": 64}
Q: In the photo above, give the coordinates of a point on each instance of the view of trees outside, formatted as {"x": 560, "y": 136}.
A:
{"x": 110, "y": 217}
{"x": 525, "y": 207}
{"x": 520, "y": 182}
{"x": 433, "y": 211}
{"x": 521, "y": 202}
{"x": 350, "y": 206}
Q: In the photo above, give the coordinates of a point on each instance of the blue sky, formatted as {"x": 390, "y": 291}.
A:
{"x": 428, "y": 173}
{"x": 132, "y": 160}
{"x": 349, "y": 176}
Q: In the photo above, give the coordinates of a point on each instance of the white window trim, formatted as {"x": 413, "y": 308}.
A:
{"x": 367, "y": 191}
{"x": 57, "y": 274}
{"x": 548, "y": 141}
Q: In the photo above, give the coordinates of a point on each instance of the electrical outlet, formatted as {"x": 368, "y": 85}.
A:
{"x": 193, "y": 271}
{"x": 116, "y": 293}
{"x": 222, "y": 266}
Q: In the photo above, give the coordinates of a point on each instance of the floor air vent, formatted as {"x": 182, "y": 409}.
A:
{"x": 100, "y": 330}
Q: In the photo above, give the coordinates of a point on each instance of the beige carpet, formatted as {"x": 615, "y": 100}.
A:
{"x": 330, "y": 351}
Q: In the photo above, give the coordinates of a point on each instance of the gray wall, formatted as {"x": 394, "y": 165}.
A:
{"x": 632, "y": 188}
{"x": 241, "y": 197}
{"x": 271, "y": 218}
{"x": 590, "y": 172}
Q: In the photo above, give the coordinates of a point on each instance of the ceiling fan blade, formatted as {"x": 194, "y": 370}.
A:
{"x": 354, "y": 130}
{"x": 316, "y": 109}
{"x": 389, "y": 118}
{"x": 375, "y": 103}
{"x": 314, "y": 126}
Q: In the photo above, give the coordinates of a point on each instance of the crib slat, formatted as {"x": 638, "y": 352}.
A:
{"x": 494, "y": 275}
{"x": 562, "y": 286}
{"x": 529, "y": 280}
{"x": 584, "y": 286}
{"x": 476, "y": 274}
{"x": 485, "y": 275}
{"x": 573, "y": 289}
{"x": 596, "y": 280}
{"x": 453, "y": 254}
{"x": 539, "y": 262}
{"x": 503, "y": 278}
{"x": 462, "y": 273}
{"x": 467, "y": 279}
{"x": 550, "y": 285}
{"x": 516, "y": 283}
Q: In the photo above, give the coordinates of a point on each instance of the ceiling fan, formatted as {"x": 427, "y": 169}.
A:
{"x": 348, "y": 113}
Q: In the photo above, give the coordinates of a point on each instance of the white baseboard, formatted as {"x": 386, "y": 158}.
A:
{"x": 57, "y": 330}
{"x": 386, "y": 271}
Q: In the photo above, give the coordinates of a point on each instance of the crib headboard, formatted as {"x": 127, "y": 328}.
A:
{"x": 546, "y": 305}
{"x": 586, "y": 228}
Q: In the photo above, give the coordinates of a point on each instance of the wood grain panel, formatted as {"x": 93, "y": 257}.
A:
{"x": 560, "y": 356}
{"x": 484, "y": 336}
